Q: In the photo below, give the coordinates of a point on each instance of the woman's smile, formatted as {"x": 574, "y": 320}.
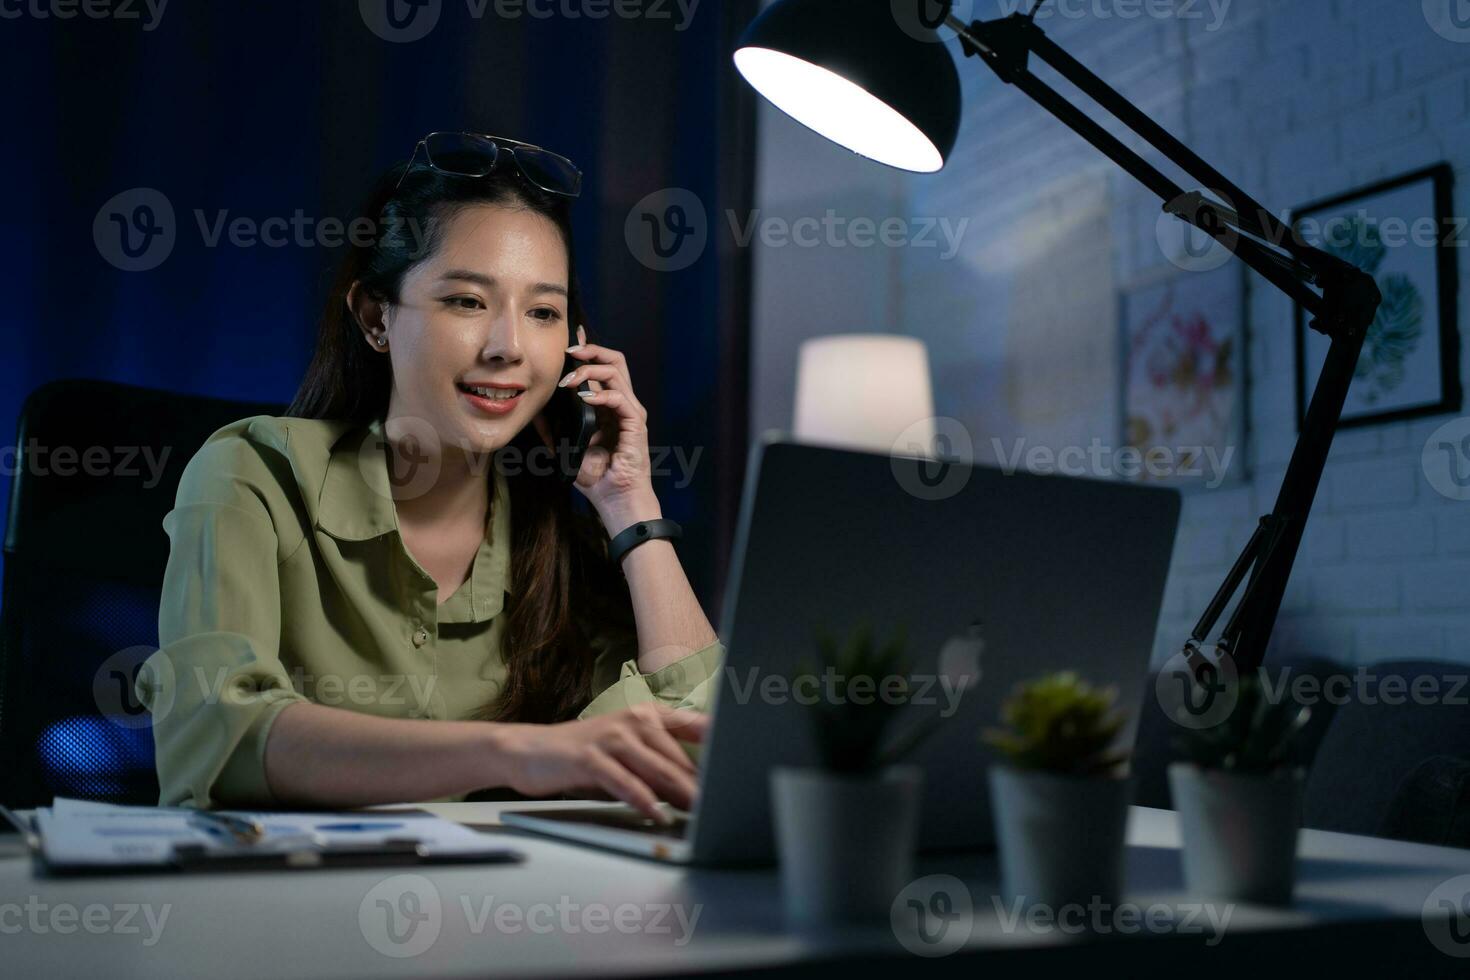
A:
{"x": 494, "y": 405}
{"x": 492, "y": 398}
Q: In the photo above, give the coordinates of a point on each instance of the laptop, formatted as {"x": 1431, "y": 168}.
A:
{"x": 1047, "y": 572}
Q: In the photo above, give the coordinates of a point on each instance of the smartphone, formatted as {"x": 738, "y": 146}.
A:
{"x": 572, "y": 422}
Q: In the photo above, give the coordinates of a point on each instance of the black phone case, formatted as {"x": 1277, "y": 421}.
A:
{"x": 573, "y": 423}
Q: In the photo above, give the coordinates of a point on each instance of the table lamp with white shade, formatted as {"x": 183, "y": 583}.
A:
{"x": 866, "y": 391}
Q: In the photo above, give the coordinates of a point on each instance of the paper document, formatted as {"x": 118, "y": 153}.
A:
{"x": 85, "y": 832}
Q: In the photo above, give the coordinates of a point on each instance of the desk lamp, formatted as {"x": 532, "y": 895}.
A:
{"x": 872, "y": 76}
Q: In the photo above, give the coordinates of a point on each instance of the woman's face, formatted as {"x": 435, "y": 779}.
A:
{"x": 488, "y": 308}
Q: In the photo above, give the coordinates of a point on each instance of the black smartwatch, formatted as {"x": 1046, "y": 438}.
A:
{"x": 633, "y": 535}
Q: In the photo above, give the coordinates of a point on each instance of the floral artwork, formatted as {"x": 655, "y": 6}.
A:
{"x": 1183, "y": 396}
{"x": 1399, "y": 232}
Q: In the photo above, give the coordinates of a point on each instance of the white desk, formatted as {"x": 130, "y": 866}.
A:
{"x": 1358, "y": 897}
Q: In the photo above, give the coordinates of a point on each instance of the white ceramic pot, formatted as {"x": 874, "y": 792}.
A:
{"x": 1060, "y": 837}
{"x": 1239, "y": 831}
{"x": 846, "y": 843}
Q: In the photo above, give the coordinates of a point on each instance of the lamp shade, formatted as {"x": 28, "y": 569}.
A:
{"x": 866, "y": 391}
{"x": 849, "y": 70}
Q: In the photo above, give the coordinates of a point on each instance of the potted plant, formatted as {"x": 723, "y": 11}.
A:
{"x": 1060, "y": 797}
{"x": 1238, "y": 792}
{"x": 846, "y": 829}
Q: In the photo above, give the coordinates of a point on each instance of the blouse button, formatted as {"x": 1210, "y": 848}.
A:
{"x": 420, "y": 637}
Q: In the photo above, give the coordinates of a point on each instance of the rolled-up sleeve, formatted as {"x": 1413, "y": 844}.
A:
{"x": 687, "y": 682}
{"x": 216, "y": 683}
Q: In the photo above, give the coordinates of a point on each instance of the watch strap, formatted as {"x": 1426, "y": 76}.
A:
{"x": 635, "y": 534}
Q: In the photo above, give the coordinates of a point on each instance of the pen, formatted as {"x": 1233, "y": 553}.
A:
{"x": 23, "y": 828}
{"x": 243, "y": 829}
{"x": 358, "y": 826}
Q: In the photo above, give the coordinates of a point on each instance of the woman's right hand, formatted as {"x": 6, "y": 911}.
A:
{"x": 629, "y": 755}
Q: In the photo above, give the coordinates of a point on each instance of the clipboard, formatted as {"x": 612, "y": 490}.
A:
{"x": 198, "y": 858}
{"x": 290, "y": 852}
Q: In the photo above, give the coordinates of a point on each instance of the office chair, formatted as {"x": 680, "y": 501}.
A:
{"x": 1392, "y": 765}
{"x": 97, "y": 466}
{"x": 1431, "y": 804}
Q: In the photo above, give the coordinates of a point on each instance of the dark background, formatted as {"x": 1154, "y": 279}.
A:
{"x": 261, "y": 110}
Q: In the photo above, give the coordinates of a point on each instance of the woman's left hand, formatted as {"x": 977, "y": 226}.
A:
{"x": 616, "y": 475}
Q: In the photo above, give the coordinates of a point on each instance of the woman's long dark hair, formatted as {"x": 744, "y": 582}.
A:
{"x": 565, "y": 588}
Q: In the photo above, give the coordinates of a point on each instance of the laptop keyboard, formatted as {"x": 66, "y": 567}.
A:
{"x": 620, "y": 819}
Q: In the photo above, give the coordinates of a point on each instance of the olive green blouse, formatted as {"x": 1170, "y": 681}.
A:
{"x": 288, "y": 580}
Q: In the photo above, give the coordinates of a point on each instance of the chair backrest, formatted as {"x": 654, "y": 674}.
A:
{"x": 97, "y": 466}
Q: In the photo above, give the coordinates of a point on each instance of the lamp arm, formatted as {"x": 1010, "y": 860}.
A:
{"x": 1343, "y": 310}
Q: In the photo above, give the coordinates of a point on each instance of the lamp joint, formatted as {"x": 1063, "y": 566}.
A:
{"x": 1004, "y": 44}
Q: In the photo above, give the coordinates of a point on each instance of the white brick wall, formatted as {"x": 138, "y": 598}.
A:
{"x": 1294, "y": 100}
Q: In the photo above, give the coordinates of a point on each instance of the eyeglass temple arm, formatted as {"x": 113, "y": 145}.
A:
{"x": 409, "y": 165}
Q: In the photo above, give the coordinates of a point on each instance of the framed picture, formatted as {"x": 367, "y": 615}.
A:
{"x": 1401, "y": 232}
{"x": 1184, "y": 378}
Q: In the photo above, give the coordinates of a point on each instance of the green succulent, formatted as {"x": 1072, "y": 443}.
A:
{"x": 1259, "y": 736}
{"x": 869, "y": 687}
{"x": 1061, "y": 724}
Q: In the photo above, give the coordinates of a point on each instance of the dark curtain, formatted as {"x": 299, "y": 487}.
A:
{"x": 286, "y": 110}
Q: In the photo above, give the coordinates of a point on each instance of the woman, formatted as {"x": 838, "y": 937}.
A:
{"x": 385, "y": 595}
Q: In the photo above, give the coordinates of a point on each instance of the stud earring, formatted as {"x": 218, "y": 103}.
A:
{"x": 382, "y": 341}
